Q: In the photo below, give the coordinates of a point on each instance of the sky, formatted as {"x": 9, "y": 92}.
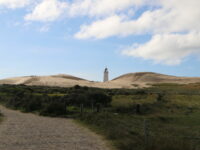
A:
{"x": 82, "y": 37}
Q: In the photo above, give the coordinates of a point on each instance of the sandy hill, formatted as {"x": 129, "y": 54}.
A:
{"x": 143, "y": 79}
{"x": 131, "y": 80}
{"x": 55, "y": 80}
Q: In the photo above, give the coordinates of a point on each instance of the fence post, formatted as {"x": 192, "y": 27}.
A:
{"x": 92, "y": 107}
{"x": 75, "y": 145}
{"x": 138, "y": 109}
{"x": 146, "y": 132}
{"x": 81, "y": 108}
{"x": 98, "y": 107}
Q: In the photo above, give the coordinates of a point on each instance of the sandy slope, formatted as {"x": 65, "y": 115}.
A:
{"x": 143, "y": 79}
{"x": 131, "y": 80}
{"x": 20, "y": 131}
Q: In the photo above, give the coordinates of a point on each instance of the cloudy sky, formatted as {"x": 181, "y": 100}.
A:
{"x": 82, "y": 37}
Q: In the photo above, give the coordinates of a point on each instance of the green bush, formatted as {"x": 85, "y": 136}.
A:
{"x": 33, "y": 104}
{"x": 54, "y": 109}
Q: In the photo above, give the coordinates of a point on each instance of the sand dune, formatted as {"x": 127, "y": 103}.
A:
{"x": 55, "y": 80}
{"x": 131, "y": 80}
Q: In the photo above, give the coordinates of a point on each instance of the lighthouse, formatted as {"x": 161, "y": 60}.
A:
{"x": 105, "y": 77}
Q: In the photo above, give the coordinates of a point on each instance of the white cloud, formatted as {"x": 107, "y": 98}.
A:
{"x": 114, "y": 26}
{"x": 14, "y": 3}
{"x": 47, "y": 10}
{"x": 168, "y": 49}
{"x": 50, "y": 10}
{"x": 100, "y": 29}
{"x": 173, "y": 16}
{"x": 102, "y": 7}
{"x": 174, "y": 26}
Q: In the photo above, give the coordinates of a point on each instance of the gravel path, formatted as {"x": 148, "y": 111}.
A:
{"x": 25, "y": 131}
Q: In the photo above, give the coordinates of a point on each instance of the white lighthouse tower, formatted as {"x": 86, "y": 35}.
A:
{"x": 105, "y": 77}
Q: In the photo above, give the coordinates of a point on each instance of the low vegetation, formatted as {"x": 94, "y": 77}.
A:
{"x": 163, "y": 117}
{"x": 1, "y": 117}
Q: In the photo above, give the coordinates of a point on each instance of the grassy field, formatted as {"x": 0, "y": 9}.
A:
{"x": 172, "y": 117}
{"x": 163, "y": 117}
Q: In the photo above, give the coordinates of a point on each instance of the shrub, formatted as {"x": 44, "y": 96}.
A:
{"x": 99, "y": 98}
{"x": 54, "y": 109}
{"x": 33, "y": 104}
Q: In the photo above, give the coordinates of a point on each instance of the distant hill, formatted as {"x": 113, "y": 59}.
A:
{"x": 131, "y": 80}
{"x": 55, "y": 80}
{"x": 143, "y": 79}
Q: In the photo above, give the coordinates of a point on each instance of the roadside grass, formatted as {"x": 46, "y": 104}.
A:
{"x": 127, "y": 132}
{"x": 174, "y": 122}
{"x": 1, "y": 117}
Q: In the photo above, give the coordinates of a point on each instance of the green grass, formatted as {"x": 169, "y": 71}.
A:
{"x": 172, "y": 112}
{"x": 128, "y": 100}
{"x": 174, "y": 122}
{"x": 1, "y": 117}
{"x": 126, "y": 132}
{"x": 56, "y": 94}
{"x": 190, "y": 101}
{"x": 50, "y": 94}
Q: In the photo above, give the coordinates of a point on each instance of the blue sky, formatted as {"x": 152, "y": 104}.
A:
{"x": 81, "y": 38}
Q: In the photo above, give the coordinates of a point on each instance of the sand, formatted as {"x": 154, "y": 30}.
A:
{"x": 131, "y": 80}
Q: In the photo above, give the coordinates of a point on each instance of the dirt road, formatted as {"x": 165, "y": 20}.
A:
{"x": 25, "y": 131}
